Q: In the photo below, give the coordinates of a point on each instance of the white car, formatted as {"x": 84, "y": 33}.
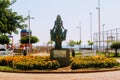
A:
{"x": 5, "y": 52}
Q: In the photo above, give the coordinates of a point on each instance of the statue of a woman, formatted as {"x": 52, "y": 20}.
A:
{"x": 58, "y": 33}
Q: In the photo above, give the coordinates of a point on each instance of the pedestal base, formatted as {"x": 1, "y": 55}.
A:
{"x": 61, "y": 55}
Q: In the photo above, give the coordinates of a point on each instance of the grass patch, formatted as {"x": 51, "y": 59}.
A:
{"x": 7, "y": 68}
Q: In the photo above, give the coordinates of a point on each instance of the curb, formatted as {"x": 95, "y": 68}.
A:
{"x": 62, "y": 72}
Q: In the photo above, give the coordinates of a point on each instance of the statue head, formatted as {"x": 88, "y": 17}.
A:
{"x": 58, "y": 17}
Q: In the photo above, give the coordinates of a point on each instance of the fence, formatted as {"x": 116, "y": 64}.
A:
{"x": 106, "y": 38}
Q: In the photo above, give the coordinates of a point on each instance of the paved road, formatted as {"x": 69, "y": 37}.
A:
{"x": 114, "y": 75}
{"x": 118, "y": 60}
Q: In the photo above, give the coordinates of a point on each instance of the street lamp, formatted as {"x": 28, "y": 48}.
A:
{"x": 29, "y": 17}
{"x": 80, "y": 34}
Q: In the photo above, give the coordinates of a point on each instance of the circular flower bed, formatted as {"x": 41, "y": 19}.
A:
{"x": 44, "y": 63}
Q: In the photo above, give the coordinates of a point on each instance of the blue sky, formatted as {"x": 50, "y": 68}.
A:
{"x": 73, "y": 13}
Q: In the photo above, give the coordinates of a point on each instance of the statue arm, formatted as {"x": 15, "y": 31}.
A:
{"x": 54, "y": 25}
{"x": 62, "y": 25}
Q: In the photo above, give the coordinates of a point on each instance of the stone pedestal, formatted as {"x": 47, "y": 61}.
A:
{"x": 61, "y": 55}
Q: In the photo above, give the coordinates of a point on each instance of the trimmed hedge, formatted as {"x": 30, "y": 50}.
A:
{"x": 93, "y": 62}
{"x": 29, "y": 62}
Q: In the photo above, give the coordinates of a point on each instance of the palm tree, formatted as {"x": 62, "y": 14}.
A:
{"x": 90, "y": 43}
{"x": 71, "y": 43}
{"x": 78, "y": 43}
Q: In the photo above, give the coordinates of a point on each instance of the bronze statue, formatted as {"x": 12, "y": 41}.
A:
{"x": 58, "y": 33}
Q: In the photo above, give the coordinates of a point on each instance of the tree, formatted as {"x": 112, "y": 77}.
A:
{"x": 4, "y": 39}
{"x": 25, "y": 40}
{"x": 9, "y": 21}
{"x": 78, "y": 42}
{"x": 115, "y": 45}
{"x": 50, "y": 42}
{"x": 71, "y": 43}
{"x": 108, "y": 43}
{"x": 90, "y": 43}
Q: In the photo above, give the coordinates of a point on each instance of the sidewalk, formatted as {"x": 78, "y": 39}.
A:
{"x": 118, "y": 60}
{"x": 114, "y": 75}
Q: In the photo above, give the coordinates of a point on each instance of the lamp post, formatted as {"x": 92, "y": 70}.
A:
{"x": 29, "y": 17}
{"x": 80, "y": 34}
{"x": 99, "y": 21}
{"x": 103, "y": 35}
{"x": 91, "y": 26}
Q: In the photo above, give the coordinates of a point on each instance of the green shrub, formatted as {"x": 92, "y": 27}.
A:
{"x": 23, "y": 65}
{"x": 3, "y": 62}
{"x": 6, "y": 61}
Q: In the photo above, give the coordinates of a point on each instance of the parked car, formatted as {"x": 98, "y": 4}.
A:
{"x": 5, "y": 52}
